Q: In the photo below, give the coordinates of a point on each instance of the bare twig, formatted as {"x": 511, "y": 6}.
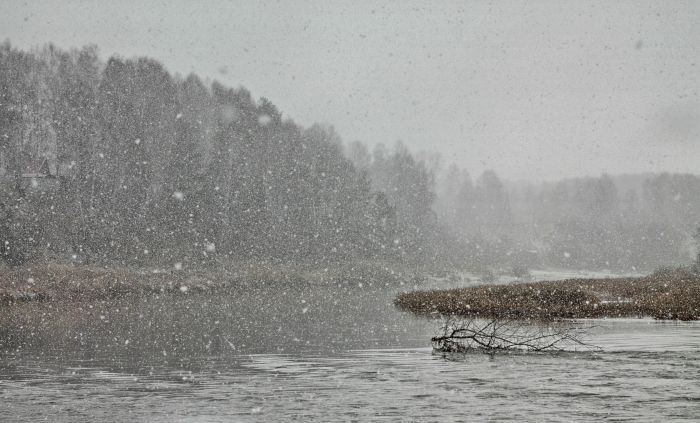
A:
{"x": 470, "y": 334}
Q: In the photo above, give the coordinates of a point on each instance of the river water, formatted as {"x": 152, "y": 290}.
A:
{"x": 337, "y": 352}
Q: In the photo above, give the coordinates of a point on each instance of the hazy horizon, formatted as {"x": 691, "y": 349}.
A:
{"x": 534, "y": 91}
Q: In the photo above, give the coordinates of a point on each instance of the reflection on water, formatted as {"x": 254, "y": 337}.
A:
{"x": 326, "y": 353}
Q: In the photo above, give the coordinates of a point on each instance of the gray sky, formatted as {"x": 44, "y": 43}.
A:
{"x": 532, "y": 89}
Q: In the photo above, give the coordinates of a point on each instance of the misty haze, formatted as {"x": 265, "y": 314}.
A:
{"x": 314, "y": 211}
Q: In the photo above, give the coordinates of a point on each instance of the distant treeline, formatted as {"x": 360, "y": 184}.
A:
{"x": 122, "y": 163}
{"x": 624, "y": 223}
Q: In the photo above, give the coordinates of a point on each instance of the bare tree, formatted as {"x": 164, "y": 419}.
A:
{"x": 470, "y": 334}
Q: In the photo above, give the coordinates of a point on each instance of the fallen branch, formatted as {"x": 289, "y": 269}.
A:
{"x": 470, "y": 334}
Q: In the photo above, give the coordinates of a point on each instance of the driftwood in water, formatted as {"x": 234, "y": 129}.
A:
{"x": 470, "y": 334}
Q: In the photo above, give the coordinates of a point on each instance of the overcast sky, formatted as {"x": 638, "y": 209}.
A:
{"x": 532, "y": 89}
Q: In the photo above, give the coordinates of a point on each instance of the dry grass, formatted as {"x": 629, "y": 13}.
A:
{"x": 47, "y": 295}
{"x": 664, "y": 295}
{"x": 67, "y": 283}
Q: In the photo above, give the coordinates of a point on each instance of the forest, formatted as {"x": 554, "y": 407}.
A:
{"x": 121, "y": 163}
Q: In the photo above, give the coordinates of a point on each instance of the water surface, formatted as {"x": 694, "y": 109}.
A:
{"x": 326, "y": 353}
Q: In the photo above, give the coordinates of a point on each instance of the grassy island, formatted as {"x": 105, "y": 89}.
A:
{"x": 666, "y": 294}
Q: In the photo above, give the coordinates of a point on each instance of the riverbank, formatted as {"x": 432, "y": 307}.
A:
{"x": 65, "y": 283}
{"x": 189, "y": 313}
{"x": 40, "y": 300}
{"x": 670, "y": 294}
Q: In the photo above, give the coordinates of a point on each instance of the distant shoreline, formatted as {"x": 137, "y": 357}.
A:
{"x": 664, "y": 295}
{"x": 58, "y": 283}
